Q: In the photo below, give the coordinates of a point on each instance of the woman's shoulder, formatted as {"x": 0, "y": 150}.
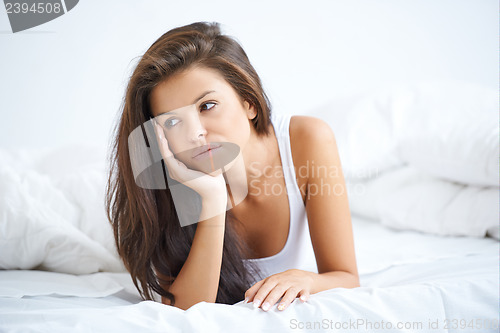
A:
{"x": 309, "y": 136}
{"x": 310, "y": 140}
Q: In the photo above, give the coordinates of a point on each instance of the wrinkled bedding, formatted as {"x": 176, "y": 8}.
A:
{"x": 407, "y": 278}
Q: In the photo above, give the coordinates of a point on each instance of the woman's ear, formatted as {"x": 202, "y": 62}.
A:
{"x": 250, "y": 110}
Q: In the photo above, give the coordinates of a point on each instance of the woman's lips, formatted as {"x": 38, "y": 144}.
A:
{"x": 212, "y": 156}
{"x": 205, "y": 151}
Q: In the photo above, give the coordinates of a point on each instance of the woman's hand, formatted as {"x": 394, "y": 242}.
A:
{"x": 209, "y": 186}
{"x": 289, "y": 284}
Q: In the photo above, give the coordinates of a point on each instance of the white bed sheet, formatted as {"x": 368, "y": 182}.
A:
{"x": 406, "y": 277}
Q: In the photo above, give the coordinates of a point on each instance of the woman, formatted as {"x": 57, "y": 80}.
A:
{"x": 274, "y": 219}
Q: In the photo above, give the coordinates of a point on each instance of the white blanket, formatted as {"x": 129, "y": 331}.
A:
{"x": 52, "y": 213}
{"x": 451, "y": 288}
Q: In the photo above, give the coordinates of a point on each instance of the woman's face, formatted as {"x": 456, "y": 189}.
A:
{"x": 199, "y": 111}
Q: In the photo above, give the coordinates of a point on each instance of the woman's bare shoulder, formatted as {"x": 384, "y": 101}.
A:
{"x": 308, "y": 135}
{"x": 310, "y": 139}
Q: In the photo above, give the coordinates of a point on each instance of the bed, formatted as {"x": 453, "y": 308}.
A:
{"x": 424, "y": 203}
{"x": 408, "y": 278}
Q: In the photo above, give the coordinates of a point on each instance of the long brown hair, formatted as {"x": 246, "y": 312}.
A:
{"x": 147, "y": 231}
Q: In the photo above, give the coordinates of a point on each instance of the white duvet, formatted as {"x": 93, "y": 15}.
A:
{"x": 52, "y": 213}
{"x": 407, "y": 278}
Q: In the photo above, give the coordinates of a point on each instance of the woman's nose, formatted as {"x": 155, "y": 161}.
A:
{"x": 197, "y": 132}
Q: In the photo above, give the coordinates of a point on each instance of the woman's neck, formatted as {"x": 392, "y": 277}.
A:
{"x": 249, "y": 167}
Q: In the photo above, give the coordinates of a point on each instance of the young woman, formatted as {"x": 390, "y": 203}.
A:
{"x": 289, "y": 235}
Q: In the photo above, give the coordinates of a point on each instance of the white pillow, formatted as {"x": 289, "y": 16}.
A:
{"x": 365, "y": 195}
{"x": 409, "y": 199}
{"x": 364, "y": 131}
{"x": 441, "y": 207}
{"x": 451, "y": 131}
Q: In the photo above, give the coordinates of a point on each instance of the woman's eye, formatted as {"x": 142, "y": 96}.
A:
{"x": 206, "y": 106}
{"x": 169, "y": 123}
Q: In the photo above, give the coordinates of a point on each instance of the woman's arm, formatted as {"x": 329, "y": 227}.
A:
{"x": 313, "y": 146}
{"x": 198, "y": 280}
{"x": 327, "y": 206}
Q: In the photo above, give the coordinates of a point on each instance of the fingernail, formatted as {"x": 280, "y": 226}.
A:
{"x": 303, "y": 298}
{"x": 256, "y": 303}
{"x": 266, "y": 306}
{"x": 281, "y": 307}
{"x": 246, "y": 300}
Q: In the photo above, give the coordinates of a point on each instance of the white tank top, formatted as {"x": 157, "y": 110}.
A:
{"x": 298, "y": 251}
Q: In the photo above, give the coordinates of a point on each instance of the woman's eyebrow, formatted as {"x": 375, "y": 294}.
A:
{"x": 173, "y": 112}
{"x": 203, "y": 95}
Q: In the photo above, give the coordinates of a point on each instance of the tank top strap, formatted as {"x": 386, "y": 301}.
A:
{"x": 281, "y": 124}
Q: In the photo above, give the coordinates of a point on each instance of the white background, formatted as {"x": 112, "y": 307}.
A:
{"x": 63, "y": 82}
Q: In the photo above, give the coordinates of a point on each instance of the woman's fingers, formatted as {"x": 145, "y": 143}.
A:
{"x": 275, "y": 294}
{"x": 304, "y": 295}
{"x": 250, "y": 293}
{"x": 162, "y": 141}
{"x": 287, "y": 299}
{"x": 175, "y": 167}
{"x": 264, "y": 290}
{"x": 286, "y": 285}
{"x": 208, "y": 186}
